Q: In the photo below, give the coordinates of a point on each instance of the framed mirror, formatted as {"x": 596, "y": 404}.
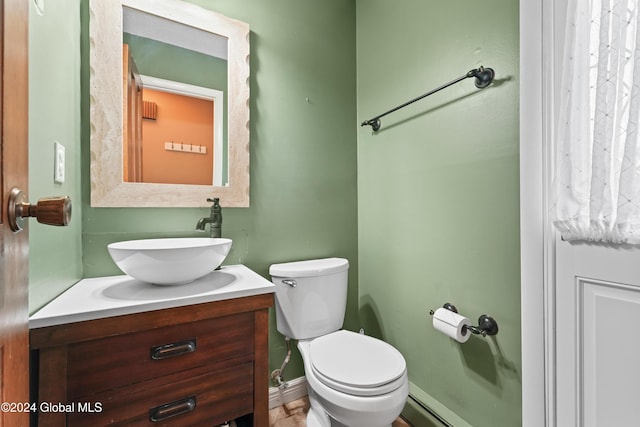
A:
{"x": 196, "y": 32}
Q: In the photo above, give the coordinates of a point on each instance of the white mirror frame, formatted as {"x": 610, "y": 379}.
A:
{"x": 105, "y": 40}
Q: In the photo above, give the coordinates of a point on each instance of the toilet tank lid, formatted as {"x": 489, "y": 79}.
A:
{"x": 309, "y": 268}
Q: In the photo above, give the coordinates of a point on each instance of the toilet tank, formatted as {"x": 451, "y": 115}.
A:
{"x": 311, "y": 296}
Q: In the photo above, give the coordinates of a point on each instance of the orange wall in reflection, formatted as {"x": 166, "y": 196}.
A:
{"x": 181, "y": 120}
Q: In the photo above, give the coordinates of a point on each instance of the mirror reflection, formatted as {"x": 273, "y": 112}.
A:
{"x": 182, "y": 73}
{"x": 176, "y": 78}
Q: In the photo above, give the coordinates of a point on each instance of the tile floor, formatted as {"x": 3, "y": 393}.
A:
{"x": 293, "y": 414}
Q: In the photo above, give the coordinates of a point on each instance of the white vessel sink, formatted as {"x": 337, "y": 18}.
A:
{"x": 172, "y": 261}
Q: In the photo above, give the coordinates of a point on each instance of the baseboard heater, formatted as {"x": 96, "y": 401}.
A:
{"x": 431, "y": 412}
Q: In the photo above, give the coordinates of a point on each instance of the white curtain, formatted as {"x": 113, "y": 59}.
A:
{"x": 597, "y": 174}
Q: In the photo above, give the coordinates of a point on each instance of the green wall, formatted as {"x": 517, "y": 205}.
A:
{"x": 303, "y": 151}
{"x": 165, "y": 61}
{"x": 55, "y": 253}
{"x": 426, "y": 210}
{"x": 438, "y": 201}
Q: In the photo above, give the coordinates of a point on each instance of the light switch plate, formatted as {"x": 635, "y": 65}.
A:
{"x": 58, "y": 162}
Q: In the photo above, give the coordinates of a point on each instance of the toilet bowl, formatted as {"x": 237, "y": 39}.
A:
{"x": 353, "y": 379}
{"x": 368, "y": 387}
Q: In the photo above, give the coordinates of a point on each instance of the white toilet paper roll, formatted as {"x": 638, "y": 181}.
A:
{"x": 451, "y": 324}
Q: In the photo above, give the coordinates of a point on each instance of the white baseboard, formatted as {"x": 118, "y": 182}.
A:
{"x": 296, "y": 389}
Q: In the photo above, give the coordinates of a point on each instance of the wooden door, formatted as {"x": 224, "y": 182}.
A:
{"x": 132, "y": 125}
{"x": 14, "y": 341}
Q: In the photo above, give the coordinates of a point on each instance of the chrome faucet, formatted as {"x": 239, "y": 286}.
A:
{"x": 215, "y": 219}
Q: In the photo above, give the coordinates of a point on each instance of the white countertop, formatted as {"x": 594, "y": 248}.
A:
{"x": 102, "y": 297}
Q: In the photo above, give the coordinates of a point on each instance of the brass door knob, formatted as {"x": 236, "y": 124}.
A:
{"x": 49, "y": 210}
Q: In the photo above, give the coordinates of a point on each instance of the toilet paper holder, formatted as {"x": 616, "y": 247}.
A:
{"x": 486, "y": 324}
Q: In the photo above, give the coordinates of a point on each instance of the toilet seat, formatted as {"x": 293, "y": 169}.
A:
{"x": 357, "y": 364}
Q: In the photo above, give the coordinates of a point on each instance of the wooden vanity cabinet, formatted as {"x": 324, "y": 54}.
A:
{"x": 197, "y": 365}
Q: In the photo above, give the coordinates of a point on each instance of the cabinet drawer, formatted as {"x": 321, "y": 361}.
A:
{"x": 204, "y": 400}
{"x": 116, "y": 361}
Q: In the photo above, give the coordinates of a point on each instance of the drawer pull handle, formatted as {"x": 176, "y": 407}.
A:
{"x": 163, "y": 412}
{"x": 174, "y": 349}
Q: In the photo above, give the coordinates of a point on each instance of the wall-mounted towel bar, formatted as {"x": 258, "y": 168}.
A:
{"x": 483, "y": 76}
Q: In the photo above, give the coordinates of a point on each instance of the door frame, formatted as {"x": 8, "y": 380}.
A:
{"x": 537, "y": 236}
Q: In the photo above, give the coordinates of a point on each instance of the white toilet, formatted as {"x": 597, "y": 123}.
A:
{"x": 353, "y": 380}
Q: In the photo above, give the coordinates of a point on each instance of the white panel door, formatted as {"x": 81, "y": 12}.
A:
{"x": 610, "y": 345}
{"x": 597, "y": 335}
{"x": 580, "y": 302}
{"x": 597, "y": 313}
